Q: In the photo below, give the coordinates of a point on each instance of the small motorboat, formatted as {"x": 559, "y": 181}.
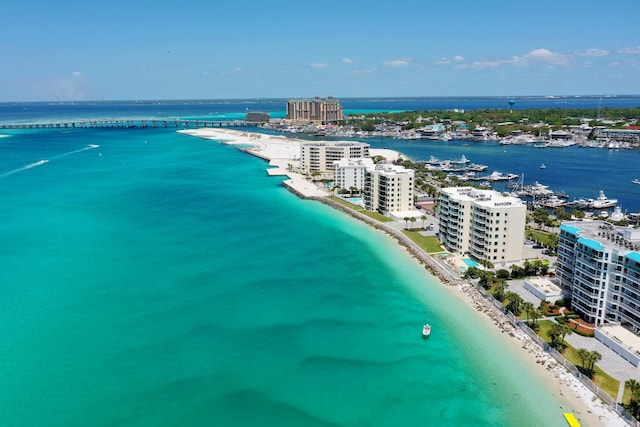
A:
{"x": 543, "y": 166}
{"x": 426, "y": 331}
{"x": 636, "y": 181}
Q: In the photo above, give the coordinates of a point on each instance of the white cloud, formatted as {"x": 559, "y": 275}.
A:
{"x": 484, "y": 63}
{"x": 238, "y": 69}
{"x": 458, "y": 58}
{"x": 442, "y": 61}
{"x": 630, "y": 50}
{"x": 541, "y": 56}
{"x": 365, "y": 71}
{"x": 405, "y": 62}
{"x": 319, "y": 65}
{"x": 593, "y": 52}
{"x": 347, "y": 61}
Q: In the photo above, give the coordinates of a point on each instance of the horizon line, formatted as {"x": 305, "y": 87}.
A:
{"x": 266, "y": 99}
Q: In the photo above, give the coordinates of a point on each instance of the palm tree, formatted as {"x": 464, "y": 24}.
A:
{"x": 514, "y": 301}
{"x": 634, "y": 402}
{"x": 583, "y": 354}
{"x": 528, "y": 308}
{"x": 634, "y": 388}
{"x": 535, "y": 315}
{"x": 423, "y": 218}
{"x": 412, "y": 219}
{"x": 554, "y": 333}
{"x": 406, "y": 222}
{"x": 594, "y": 357}
{"x": 566, "y": 330}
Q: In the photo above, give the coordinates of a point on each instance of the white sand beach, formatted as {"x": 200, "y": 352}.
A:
{"x": 571, "y": 394}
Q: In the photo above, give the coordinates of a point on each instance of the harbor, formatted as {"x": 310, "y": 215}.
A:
{"x": 536, "y": 194}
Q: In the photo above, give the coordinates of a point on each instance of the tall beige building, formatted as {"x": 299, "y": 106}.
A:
{"x": 482, "y": 223}
{"x": 319, "y": 156}
{"x": 317, "y": 110}
{"x": 388, "y": 189}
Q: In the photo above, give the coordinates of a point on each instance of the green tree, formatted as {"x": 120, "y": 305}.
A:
{"x": 594, "y": 357}
{"x": 423, "y": 218}
{"x": 552, "y": 241}
{"x": 556, "y": 333}
{"x": 502, "y": 274}
{"x": 583, "y": 355}
{"x": 535, "y": 315}
{"x": 516, "y": 271}
{"x": 527, "y": 307}
{"x": 499, "y": 290}
{"x": 513, "y": 302}
{"x": 413, "y": 220}
{"x": 634, "y": 401}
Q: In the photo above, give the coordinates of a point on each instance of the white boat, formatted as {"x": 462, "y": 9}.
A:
{"x": 463, "y": 160}
{"x": 602, "y": 202}
{"x": 543, "y": 166}
{"x": 426, "y": 330}
{"x": 553, "y": 201}
{"x": 636, "y": 181}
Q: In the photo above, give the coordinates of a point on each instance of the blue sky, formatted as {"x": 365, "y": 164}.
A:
{"x": 139, "y": 50}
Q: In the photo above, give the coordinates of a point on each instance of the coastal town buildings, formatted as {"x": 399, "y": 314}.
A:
{"x": 600, "y": 265}
{"x": 318, "y": 157}
{"x": 317, "y": 110}
{"x": 389, "y": 189}
{"x": 351, "y": 173}
{"x": 482, "y": 223}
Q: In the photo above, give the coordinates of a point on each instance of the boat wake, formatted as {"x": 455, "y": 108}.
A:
{"x": 88, "y": 147}
{"x": 43, "y": 162}
{"x": 24, "y": 168}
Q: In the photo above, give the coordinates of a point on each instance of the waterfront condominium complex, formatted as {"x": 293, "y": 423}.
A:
{"x": 317, "y": 110}
{"x": 600, "y": 265}
{"x": 482, "y": 223}
{"x": 318, "y": 157}
{"x": 388, "y": 189}
{"x": 351, "y": 173}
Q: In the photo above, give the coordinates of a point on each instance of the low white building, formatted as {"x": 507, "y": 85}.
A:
{"x": 351, "y": 173}
{"x": 543, "y": 288}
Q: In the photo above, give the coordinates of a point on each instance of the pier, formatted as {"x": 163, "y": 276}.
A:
{"x": 127, "y": 124}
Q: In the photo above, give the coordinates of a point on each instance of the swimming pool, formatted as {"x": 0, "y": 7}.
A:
{"x": 470, "y": 262}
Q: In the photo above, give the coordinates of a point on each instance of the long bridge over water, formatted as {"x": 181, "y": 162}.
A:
{"x": 127, "y": 124}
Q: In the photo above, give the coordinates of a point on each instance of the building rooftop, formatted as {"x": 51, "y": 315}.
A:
{"x": 489, "y": 198}
{"x": 622, "y": 335}
{"x": 600, "y": 235}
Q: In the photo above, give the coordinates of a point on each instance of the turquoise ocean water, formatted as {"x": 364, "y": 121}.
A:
{"x": 160, "y": 280}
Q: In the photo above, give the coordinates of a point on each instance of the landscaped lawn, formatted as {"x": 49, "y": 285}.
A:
{"x": 429, "y": 243}
{"x": 601, "y": 378}
{"x": 374, "y": 215}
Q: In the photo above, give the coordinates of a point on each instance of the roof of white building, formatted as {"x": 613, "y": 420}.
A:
{"x": 488, "y": 198}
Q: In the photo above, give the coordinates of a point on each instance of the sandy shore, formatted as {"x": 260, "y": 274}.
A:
{"x": 572, "y": 395}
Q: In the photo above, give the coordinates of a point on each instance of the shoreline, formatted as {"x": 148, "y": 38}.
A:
{"x": 281, "y": 152}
